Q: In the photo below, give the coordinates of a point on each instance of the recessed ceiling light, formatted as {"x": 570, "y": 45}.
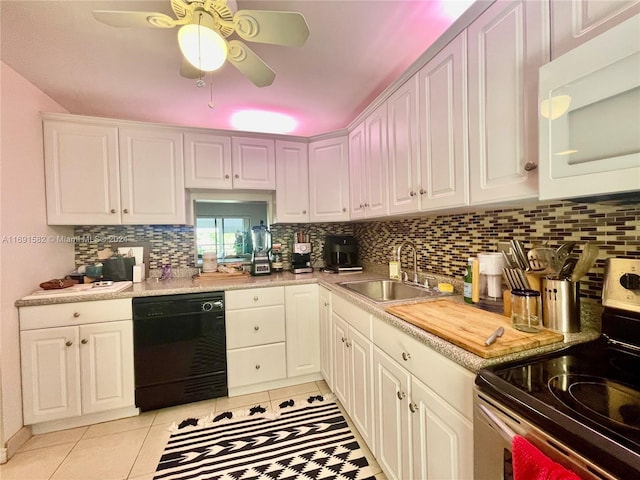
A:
{"x": 263, "y": 121}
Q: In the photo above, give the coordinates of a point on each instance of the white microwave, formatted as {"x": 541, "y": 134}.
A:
{"x": 589, "y": 117}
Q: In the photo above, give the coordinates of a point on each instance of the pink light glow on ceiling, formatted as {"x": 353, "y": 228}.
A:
{"x": 263, "y": 121}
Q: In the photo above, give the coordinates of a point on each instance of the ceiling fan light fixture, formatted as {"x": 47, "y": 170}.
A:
{"x": 201, "y": 45}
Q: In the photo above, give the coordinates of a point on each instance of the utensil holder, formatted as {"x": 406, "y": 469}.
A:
{"x": 561, "y": 305}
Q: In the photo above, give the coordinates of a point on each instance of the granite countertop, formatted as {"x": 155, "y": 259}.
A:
{"x": 153, "y": 287}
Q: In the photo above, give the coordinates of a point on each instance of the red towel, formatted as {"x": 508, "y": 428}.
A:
{"x": 529, "y": 463}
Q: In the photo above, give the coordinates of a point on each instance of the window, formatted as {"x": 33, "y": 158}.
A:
{"x": 226, "y": 235}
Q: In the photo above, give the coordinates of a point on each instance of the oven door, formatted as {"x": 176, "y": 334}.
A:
{"x": 493, "y": 429}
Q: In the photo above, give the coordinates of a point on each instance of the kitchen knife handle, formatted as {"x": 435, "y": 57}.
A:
{"x": 493, "y": 337}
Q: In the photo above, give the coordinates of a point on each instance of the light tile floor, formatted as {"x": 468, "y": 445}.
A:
{"x": 131, "y": 447}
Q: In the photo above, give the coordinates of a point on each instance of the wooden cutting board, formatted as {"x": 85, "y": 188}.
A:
{"x": 468, "y": 327}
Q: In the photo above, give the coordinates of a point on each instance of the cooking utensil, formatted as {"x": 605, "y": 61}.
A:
{"x": 586, "y": 260}
{"x": 519, "y": 254}
{"x": 567, "y": 267}
{"x": 494, "y": 336}
{"x": 564, "y": 251}
{"x": 543, "y": 260}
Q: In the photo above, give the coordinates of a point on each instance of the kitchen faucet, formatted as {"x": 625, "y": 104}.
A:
{"x": 403, "y": 274}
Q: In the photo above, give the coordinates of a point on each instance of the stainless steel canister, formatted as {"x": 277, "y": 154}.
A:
{"x": 561, "y": 305}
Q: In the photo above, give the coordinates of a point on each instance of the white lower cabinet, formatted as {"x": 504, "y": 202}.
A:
{"x": 352, "y": 366}
{"x": 74, "y": 370}
{"x": 326, "y": 344}
{"x": 303, "y": 329}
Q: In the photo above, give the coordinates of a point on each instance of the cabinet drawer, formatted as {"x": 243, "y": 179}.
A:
{"x": 255, "y": 326}
{"x": 78, "y": 313}
{"x": 355, "y": 316}
{"x": 451, "y": 381}
{"x": 249, "y": 366}
{"x": 255, "y": 297}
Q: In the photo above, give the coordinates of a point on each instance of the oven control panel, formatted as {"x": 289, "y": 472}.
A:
{"x": 622, "y": 284}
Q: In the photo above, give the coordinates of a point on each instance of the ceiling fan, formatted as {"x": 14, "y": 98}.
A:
{"x": 204, "y": 28}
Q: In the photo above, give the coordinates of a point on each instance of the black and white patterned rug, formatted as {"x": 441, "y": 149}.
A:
{"x": 307, "y": 440}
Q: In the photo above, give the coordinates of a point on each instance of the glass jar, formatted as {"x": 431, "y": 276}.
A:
{"x": 526, "y": 310}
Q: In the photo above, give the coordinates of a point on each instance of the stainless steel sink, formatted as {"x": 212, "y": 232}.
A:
{"x": 388, "y": 290}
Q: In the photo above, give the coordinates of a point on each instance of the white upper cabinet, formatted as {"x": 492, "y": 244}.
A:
{"x": 100, "y": 173}
{"x": 368, "y": 166}
{"x": 81, "y": 173}
{"x": 403, "y": 136}
{"x": 292, "y": 182}
{"x": 151, "y": 175}
{"x": 254, "y": 163}
{"x": 443, "y": 128}
{"x": 207, "y": 161}
{"x": 329, "y": 180}
{"x": 507, "y": 45}
{"x": 573, "y": 22}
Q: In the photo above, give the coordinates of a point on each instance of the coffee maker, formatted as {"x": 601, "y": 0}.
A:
{"x": 260, "y": 257}
{"x": 301, "y": 253}
{"x": 341, "y": 254}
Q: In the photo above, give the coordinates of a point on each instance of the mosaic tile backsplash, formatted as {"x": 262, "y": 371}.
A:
{"x": 443, "y": 242}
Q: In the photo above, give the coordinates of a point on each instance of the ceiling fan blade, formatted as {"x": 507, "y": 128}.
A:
{"x": 120, "y": 18}
{"x": 250, "y": 64}
{"x": 277, "y": 28}
{"x": 189, "y": 71}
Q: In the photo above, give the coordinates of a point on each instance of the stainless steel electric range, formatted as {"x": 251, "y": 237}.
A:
{"x": 580, "y": 405}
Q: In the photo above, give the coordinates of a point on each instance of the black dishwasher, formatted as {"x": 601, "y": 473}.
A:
{"x": 179, "y": 349}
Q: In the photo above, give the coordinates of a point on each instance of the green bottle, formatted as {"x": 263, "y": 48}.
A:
{"x": 468, "y": 282}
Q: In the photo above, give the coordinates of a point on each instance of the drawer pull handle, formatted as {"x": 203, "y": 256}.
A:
{"x": 413, "y": 407}
{"x": 258, "y": 367}
{"x": 401, "y": 395}
{"x": 255, "y": 299}
{"x": 406, "y": 356}
{"x": 256, "y": 328}
{"x": 76, "y": 314}
{"x": 84, "y": 341}
{"x": 69, "y": 343}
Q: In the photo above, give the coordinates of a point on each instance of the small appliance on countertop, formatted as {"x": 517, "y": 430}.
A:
{"x": 261, "y": 255}
{"x": 301, "y": 258}
{"x": 341, "y": 254}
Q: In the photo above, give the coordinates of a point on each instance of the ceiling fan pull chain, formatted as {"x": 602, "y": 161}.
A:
{"x": 211, "y": 104}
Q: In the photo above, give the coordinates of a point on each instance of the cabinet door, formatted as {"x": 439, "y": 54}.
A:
{"x": 573, "y": 22}
{"x": 442, "y": 439}
{"x": 357, "y": 173}
{"x": 303, "y": 330}
{"x": 326, "y": 345}
{"x": 151, "y": 176}
{"x": 106, "y": 356}
{"x": 341, "y": 379}
{"x": 207, "y": 161}
{"x": 292, "y": 182}
{"x": 329, "y": 180}
{"x": 443, "y": 128}
{"x": 402, "y": 123}
{"x": 507, "y": 45}
{"x": 361, "y": 394}
{"x": 81, "y": 173}
{"x": 392, "y": 429}
{"x": 254, "y": 163}
{"x": 50, "y": 374}
{"x": 376, "y": 163}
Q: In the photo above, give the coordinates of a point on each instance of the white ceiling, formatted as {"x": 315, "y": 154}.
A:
{"x": 356, "y": 48}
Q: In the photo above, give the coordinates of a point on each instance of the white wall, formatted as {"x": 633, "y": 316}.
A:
{"x": 22, "y": 213}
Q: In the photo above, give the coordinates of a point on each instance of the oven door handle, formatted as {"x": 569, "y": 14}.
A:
{"x": 502, "y": 428}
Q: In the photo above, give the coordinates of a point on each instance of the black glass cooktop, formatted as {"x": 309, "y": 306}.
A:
{"x": 587, "y": 396}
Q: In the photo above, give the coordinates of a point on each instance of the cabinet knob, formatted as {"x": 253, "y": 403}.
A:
{"x": 256, "y": 328}
{"x": 304, "y": 212}
{"x": 344, "y": 209}
{"x": 236, "y": 176}
{"x": 530, "y": 166}
{"x": 84, "y": 341}
{"x": 343, "y": 339}
{"x": 348, "y": 344}
{"x": 113, "y": 210}
{"x": 126, "y": 210}
{"x": 422, "y": 191}
{"x": 401, "y": 395}
{"x": 406, "y": 356}
{"x": 413, "y": 407}
{"x": 255, "y": 299}
{"x": 258, "y": 367}
{"x": 412, "y": 193}
{"x": 76, "y": 314}
{"x": 326, "y": 304}
{"x": 68, "y": 343}
{"x": 226, "y": 176}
